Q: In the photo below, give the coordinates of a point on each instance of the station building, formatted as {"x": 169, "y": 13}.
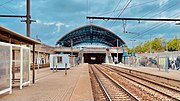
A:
{"x": 92, "y": 34}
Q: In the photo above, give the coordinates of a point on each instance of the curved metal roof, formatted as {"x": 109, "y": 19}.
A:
{"x": 90, "y": 34}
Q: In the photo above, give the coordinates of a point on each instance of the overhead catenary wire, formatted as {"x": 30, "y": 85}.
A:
{"x": 87, "y": 7}
{"x": 87, "y": 11}
{"x": 159, "y": 12}
{"x": 8, "y": 9}
{"x": 6, "y": 2}
{"x": 153, "y": 27}
{"x": 126, "y": 8}
{"x": 121, "y": 12}
{"x": 166, "y": 9}
{"x": 114, "y": 9}
{"x": 156, "y": 8}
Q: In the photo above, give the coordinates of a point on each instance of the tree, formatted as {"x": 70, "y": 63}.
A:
{"x": 137, "y": 49}
{"x": 173, "y": 45}
{"x": 146, "y": 47}
{"x": 156, "y": 44}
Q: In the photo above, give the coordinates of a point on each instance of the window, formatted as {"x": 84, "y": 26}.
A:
{"x": 59, "y": 59}
{"x": 93, "y": 58}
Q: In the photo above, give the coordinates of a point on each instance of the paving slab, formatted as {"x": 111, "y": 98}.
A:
{"x": 56, "y": 86}
{"x": 172, "y": 74}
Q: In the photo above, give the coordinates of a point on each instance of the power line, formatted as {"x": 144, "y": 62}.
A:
{"x": 8, "y": 9}
{"x": 2, "y": 5}
{"x": 159, "y": 12}
{"x": 114, "y": 9}
{"x": 87, "y": 5}
{"x": 127, "y": 8}
{"x": 6, "y": 2}
{"x": 124, "y": 19}
{"x": 166, "y": 9}
{"x": 120, "y": 13}
{"x": 158, "y": 23}
{"x": 87, "y": 11}
{"x": 128, "y": 2}
{"x": 152, "y": 27}
{"x": 154, "y": 9}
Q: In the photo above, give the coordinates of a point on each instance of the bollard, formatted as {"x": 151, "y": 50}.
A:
{"x": 56, "y": 68}
{"x": 65, "y": 68}
{"x": 53, "y": 68}
{"x": 166, "y": 64}
{"x": 158, "y": 63}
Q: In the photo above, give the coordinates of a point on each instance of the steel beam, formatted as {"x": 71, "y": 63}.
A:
{"x": 13, "y": 16}
{"x": 139, "y": 19}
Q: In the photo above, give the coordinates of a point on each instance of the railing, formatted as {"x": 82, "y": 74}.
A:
{"x": 40, "y": 66}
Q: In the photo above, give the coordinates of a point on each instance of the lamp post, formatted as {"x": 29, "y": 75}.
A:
{"x": 71, "y": 47}
{"x": 166, "y": 58}
{"x": 123, "y": 54}
{"x": 166, "y": 68}
{"x": 117, "y": 52}
{"x": 132, "y": 43}
{"x": 72, "y": 64}
{"x": 133, "y": 52}
{"x": 150, "y": 49}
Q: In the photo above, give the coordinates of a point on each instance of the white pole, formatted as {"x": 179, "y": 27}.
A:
{"x": 150, "y": 43}
{"x": 21, "y": 67}
{"x": 117, "y": 52}
{"x": 38, "y": 61}
{"x": 166, "y": 65}
{"x": 29, "y": 65}
{"x": 10, "y": 92}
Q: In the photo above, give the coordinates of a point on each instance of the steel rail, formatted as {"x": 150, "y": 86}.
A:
{"x": 108, "y": 98}
{"x": 137, "y": 76}
{"x": 119, "y": 86}
{"x": 161, "y": 92}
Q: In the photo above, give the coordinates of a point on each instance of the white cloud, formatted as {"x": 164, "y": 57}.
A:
{"x": 161, "y": 2}
{"x": 49, "y": 23}
{"x": 58, "y": 25}
{"x": 20, "y": 5}
{"x": 38, "y": 21}
{"x": 160, "y": 35}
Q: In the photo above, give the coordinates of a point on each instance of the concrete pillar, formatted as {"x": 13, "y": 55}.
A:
{"x": 107, "y": 59}
{"x": 108, "y": 56}
{"x": 82, "y": 59}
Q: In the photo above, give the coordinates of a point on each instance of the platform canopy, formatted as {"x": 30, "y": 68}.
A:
{"x": 10, "y": 36}
{"x": 90, "y": 34}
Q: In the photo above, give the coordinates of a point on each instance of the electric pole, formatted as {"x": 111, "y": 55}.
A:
{"x": 28, "y": 22}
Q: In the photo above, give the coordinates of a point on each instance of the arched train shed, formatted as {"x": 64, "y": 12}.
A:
{"x": 90, "y": 34}
{"x": 93, "y": 34}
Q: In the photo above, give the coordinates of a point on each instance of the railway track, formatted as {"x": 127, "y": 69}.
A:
{"x": 97, "y": 91}
{"x": 164, "y": 92}
{"x": 111, "y": 88}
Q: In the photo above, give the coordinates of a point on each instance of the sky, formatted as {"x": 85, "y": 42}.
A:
{"x": 54, "y": 18}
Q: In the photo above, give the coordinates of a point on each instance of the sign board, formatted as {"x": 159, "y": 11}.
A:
{"x": 5, "y": 68}
{"x": 125, "y": 53}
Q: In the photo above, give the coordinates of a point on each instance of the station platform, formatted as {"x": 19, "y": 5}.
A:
{"x": 56, "y": 86}
{"x": 170, "y": 77}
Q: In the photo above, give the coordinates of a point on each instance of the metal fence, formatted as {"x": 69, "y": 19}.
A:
{"x": 165, "y": 60}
